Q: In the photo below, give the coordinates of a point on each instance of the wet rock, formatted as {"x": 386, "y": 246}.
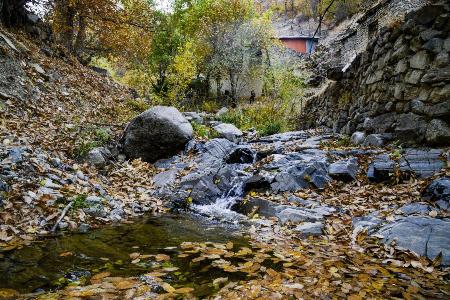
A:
{"x": 84, "y": 228}
{"x": 310, "y": 229}
{"x": 229, "y": 132}
{"x": 258, "y": 183}
{"x": 345, "y": 170}
{"x": 358, "y": 138}
{"x": 202, "y": 188}
{"x": 422, "y": 235}
{"x": 241, "y": 155}
{"x": 165, "y": 179}
{"x": 215, "y": 151}
{"x": 260, "y": 206}
{"x": 159, "y": 132}
{"x": 422, "y": 163}
{"x": 381, "y": 168}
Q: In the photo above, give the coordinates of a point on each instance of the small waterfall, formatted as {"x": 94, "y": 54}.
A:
{"x": 222, "y": 207}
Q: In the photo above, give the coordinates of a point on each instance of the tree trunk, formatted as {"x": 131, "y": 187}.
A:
{"x": 65, "y": 16}
{"x": 13, "y": 12}
{"x": 81, "y": 35}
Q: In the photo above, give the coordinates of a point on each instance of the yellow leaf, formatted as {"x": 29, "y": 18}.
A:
{"x": 185, "y": 290}
{"x": 167, "y": 287}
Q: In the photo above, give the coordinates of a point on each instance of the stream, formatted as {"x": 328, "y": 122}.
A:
{"x": 74, "y": 258}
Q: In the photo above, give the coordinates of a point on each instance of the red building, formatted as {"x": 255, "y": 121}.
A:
{"x": 301, "y": 44}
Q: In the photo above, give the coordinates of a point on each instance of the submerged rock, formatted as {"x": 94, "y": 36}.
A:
{"x": 159, "y": 132}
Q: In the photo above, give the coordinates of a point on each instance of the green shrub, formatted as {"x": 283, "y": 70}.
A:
{"x": 90, "y": 139}
{"x": 79, "y": 202}
{"x": 203, "y": 131}
{"x": 138, "y": 105}
{"x": 267, "y": 118}
{"x": 271, "y": 128}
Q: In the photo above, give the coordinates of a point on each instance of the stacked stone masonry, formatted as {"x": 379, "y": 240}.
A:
{"x": 399, "y": 86}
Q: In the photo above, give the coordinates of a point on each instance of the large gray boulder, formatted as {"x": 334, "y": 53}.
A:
{"x": 159, "y": 132}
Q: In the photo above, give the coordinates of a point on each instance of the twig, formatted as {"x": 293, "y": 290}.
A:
{"x": 63, "y": 214}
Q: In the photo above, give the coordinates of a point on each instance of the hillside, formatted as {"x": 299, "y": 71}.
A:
{"x": 54, "y": 111}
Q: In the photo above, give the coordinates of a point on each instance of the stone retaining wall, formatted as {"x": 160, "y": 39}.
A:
{"x": 400, "y": 85}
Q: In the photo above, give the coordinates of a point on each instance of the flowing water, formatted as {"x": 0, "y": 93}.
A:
{"x": 221, "y": 209}
{"x": 45, "y": 265}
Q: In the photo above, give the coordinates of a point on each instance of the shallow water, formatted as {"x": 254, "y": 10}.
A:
{"x": 55, "y": 262}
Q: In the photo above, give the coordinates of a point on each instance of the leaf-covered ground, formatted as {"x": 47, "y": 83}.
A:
{"x": 63, "y": 112}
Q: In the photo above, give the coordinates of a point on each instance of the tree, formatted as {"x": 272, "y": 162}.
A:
{"x": 13, "y": 12}
{"x": 105, "y": 26}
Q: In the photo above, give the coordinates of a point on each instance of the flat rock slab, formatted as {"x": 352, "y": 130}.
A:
{"x": 422, "y": 235}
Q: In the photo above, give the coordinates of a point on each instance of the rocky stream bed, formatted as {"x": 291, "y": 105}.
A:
{"x": 256, "y": 213}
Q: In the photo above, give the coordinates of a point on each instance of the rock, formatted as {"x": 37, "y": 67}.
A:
{"x": 293, "y": 215}
{"x": 229, "y": 132}
{"x": 335, "y": 73}
{"x": 193, "y": 117}
{"x": 51, "y": 185}
{"x": 425, "y": 15}
{"x": 165, "y": 179}
{"x": 410, "y": 127}
{"x": 258, "y": 183}
{"x": 358, "y": 138}
{"x": 93, "y": 200}
{"x": 415, "y": 208}
{"x": 423, "y": 235}
{"x": 200, "y": 187}
{"x": 84, "y": 228}
{"x": 370, "y": 222}
{"x": 4, "y": 187}
{"x": 16, "y": 154}
{"x": 215, "y": 151}
{"x": 422, "y": 163}
{"x": 159, "y": 132}
{"x": 438, "y": 132}
{"x": 241, "y": 155}
{"x": 96, "y": 158}
{"x": 439, "y": 190}
{"x": 375, "y": 140}
{"x": 345, "y": 170}
{"x": 310, "y": 229}
{"x": 38, "y": 69}
{"x": 221, "y": 112}
{"x": 296, "y": 215}
{"x": 420, "y": 60}
{"x": 263, "y": 207}
{"x": 381, "y": 168}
